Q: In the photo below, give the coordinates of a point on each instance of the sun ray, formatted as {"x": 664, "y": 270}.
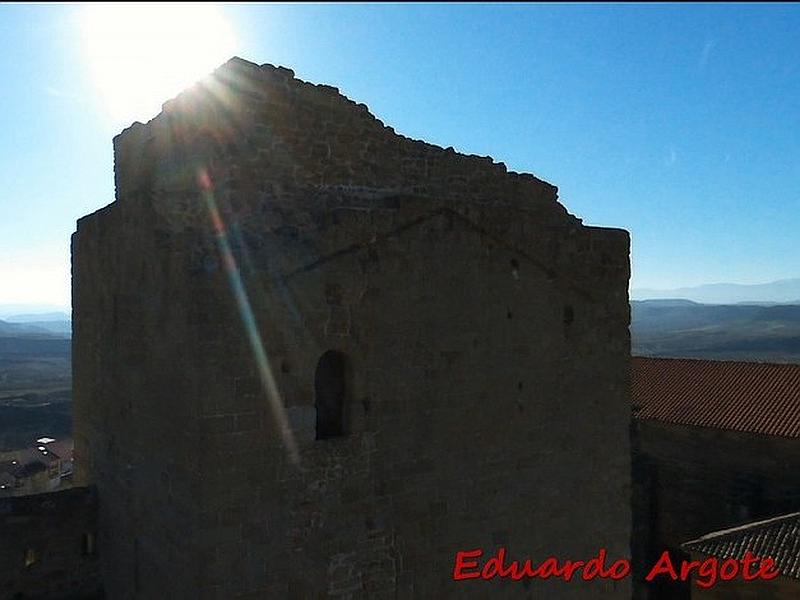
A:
{"x": 248, "y": 319}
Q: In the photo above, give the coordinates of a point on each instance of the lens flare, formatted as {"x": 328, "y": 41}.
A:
{"x": 139, "y": 55}
{"x": 248, "y": 318}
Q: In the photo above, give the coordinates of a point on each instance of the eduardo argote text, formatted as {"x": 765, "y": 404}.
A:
{"x": 473, "y": 564}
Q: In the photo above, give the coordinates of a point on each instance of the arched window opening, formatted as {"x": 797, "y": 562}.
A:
{"x": 329, "y": 394}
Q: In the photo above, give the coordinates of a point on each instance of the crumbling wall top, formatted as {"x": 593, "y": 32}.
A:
{"x": 265, "y": 127}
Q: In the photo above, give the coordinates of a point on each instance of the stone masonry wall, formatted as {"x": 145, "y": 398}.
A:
{"x": 484, "y": 331}
{"x": 272, "y": 134}
{"x": 48, "y": 549}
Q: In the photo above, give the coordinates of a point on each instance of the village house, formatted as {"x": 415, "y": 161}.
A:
{"x": 44, "y": 467}
{"x": 715, "y": 445}
{"x": 777, "y": 538}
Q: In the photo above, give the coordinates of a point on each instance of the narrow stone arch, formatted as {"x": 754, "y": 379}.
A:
{"x": 330, "y": 388}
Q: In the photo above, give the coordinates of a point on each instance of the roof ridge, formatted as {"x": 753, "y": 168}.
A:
{"x": 716, "y": 360}
{"x": 716, "y": 535}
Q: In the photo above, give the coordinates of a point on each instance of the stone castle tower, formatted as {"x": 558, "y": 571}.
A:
{"x": 314, "y": 358}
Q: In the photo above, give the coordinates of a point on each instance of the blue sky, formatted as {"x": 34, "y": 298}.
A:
{"x": 680, "y": 123}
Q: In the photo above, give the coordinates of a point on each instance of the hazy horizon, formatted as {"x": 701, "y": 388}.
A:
{"x": 781, "y": 290}
{"x": 681, "y": 293}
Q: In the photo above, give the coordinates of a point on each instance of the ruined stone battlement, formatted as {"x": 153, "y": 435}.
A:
{"x": 310, "y": 136}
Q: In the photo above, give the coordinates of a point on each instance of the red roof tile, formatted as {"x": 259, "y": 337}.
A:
{"x": 741, "y": 396}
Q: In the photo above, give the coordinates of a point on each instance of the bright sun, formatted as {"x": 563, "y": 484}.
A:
{"x": 142, "y": 55}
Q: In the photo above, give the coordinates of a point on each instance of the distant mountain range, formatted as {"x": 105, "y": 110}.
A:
{"x": 44, "y": 324}
{"x": 8, "y": 311}
{"x": 42, "y": 329}
{"x": 784, "y": 291}
{"x": 682, "y": 328}
{"x": 721, "y": 321}
{"x": 44, "y": 317}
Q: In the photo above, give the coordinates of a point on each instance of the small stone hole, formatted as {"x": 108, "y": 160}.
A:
{"x": 31, "y": 557}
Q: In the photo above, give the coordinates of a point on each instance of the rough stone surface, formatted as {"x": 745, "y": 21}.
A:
{"x": 44, "y": 549}
{"x": 485, "y": 333}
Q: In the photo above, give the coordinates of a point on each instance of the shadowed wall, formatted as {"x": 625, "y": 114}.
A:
{"x": 482, "y": 393}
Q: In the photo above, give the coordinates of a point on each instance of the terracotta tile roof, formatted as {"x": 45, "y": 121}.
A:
{"x": 741, "y": 396}
{"x": 777, "y": 538}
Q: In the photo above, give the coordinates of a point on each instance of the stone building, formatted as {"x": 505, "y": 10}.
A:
{"x": 777, "y": 538}
{"x": 45, "y": 467}
{"x": 47, "y": 548}
{"x": 715, "y": 446}
{"x": 314, "y": 358}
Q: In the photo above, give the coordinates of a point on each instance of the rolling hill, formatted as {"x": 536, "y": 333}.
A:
{"x": 783, "y": 291}
{"x": 682, "y": 328}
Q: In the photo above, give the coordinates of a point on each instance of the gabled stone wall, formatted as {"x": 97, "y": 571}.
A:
{"x": 261, "y": 222}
